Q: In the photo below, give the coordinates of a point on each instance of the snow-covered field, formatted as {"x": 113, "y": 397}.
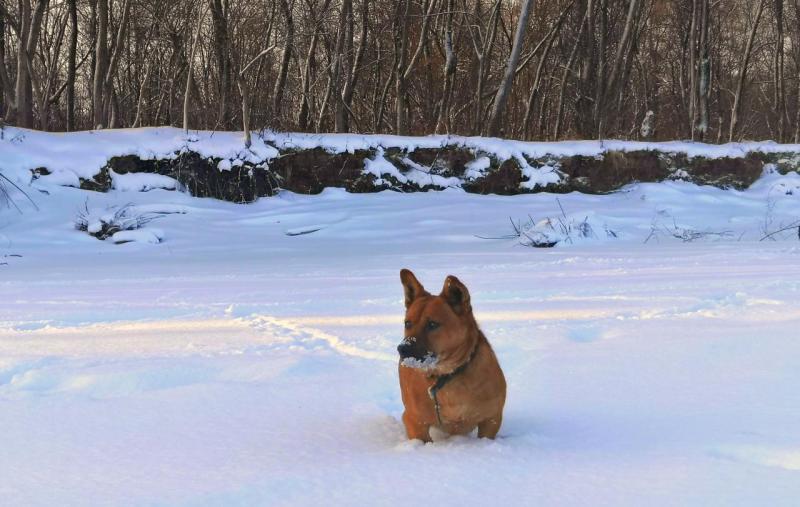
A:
{"x": 246, "y": 360}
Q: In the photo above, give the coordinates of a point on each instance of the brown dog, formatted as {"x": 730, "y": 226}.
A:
{"x": 449, "y": 375}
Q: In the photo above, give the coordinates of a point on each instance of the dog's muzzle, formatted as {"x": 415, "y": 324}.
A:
{"x": 405, "y": 349}
{"x": 409, "y": 348}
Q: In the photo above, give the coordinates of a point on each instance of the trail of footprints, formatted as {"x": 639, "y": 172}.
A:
{"x": 290, "y": 335}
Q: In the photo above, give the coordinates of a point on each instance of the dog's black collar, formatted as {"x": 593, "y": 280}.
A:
{"x": 443, "y": 380}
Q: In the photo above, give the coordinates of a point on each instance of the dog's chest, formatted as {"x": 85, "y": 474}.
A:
{"x": 456, "y": 407}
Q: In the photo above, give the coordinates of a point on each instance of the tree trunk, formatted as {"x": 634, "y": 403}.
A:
{"x": 401, "y": 44}
{"x": 498, "y": 108}
{"x": 547, "y": 43}
{"x": 693, "y": 69}
{"x": 344, "y": 41}
{"x": 138, "y": 118}
{"x": 100, "y": 64}
{"x": 109, "y": 97}
{"x": 563, "y": 83}
{"x": 242, "y": 84}
{"x": 450, "y": 62}
{"x": 283, "y": 71}
{"x": 797, "y": 58}
{"x": 779, "y": 102}
{"x": 189, "y": 73}
{"x": 304, "y": 114}
{"x": 219, "y": 17}
{"x": 404, "y": 71}
{"x": 598, "y": 111}
{"x": 355, "y": 70}
{"x": 51, "y": 73}
{"x": 737, "y": 98}
{"x": 704, "y": 74}
{"x": 482, "y": 47}
{"x": 28, "y": 28}
{"x": 6, "y": 91}
{"x": 584, "y": 106}
{"x": 71, "y": 64}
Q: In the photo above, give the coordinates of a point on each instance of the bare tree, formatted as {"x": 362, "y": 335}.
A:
{"x": 280, "y": 82}
{"x": 405, "y": 67}
{"x": 547, "y": 42}
{"x": 746, "y": 54}
{"x": 779, "y": 90}
{"x": 354, "y": 63}
{"x": 219, "y": 17}
{"x": 508, "y": 79}
{"x": 27, "y": 25}
{"x": 190, "y": 73}
{"x": 710, "y": 69}
{"x": 482, "y": 38}
{"x": 449, "y": 70}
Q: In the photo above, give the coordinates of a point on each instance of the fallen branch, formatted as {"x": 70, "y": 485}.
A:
{"x": 793, "y": 225}
{"x": 7, "y": 196}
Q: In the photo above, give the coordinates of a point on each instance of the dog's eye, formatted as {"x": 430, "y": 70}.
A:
{"x": 408, "y": 324}
{"x": 432, "y": 324}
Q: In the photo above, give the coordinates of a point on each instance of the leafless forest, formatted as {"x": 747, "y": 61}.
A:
{"x": 712, "y": 70}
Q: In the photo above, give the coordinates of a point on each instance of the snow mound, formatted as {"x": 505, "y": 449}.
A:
{"x": 768, "y": 456}
{"x": 775, "y": 185}
{"x": 142, "y": 182}
{"x": 146, "y": 235}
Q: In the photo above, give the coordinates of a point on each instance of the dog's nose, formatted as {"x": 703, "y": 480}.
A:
{"x": 405, "y": 349}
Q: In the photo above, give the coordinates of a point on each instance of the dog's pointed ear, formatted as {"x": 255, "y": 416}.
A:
{"x": 411, "y": 286}
{"x": 456, "y": 295}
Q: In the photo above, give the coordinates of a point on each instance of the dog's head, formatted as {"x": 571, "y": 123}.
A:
{"x": 440, "y": 331}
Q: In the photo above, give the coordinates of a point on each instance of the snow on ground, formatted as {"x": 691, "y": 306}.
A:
{"x": 246, "y": 360}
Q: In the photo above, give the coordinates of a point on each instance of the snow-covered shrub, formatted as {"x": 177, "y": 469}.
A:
{"x": 561, "y": 229}
{"x": 120, "y": 224}
{"x": 551, "y": 231}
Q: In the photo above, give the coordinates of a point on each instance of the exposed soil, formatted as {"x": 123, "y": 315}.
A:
{"x": 310, "y": 171}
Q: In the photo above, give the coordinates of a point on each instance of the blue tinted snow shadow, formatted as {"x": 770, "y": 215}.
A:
{"x": 585, "y": 334}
